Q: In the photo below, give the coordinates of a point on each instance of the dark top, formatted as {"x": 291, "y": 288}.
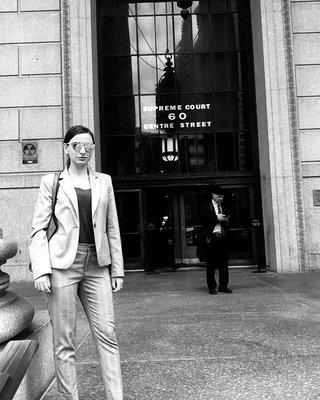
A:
{"x": 85, "y": 216}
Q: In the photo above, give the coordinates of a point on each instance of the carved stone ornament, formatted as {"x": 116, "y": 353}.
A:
{"x": 294, "y": 131}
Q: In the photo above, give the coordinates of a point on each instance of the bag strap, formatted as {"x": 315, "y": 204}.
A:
{"x": 55, "y": 188}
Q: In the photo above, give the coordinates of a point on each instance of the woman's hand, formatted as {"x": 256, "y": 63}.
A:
{"x": 43, "y": 283}
{"x": 117, "y": 284}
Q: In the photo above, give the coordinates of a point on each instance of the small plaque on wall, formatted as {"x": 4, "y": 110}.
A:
{"x": 29, "y": 152}
{"x": 316, "y": 198}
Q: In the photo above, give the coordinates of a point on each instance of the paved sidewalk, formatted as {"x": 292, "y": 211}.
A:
{"x": 178, "y": 342}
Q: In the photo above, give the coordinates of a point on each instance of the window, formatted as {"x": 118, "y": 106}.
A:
{"x": 200, "y": 91}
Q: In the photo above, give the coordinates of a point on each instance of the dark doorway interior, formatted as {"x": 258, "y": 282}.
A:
{"x": 159, "y": 229}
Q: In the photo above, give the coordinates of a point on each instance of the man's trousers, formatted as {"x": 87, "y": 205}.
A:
{"x": 218, "y": 259}
{"x": 92, "y": 284}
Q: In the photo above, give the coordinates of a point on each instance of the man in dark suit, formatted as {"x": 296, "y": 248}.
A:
{"x": 215, "y": 226}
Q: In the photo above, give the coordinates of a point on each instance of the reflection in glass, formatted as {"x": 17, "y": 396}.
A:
{"x": 148, "y": 114}
{"x": 137, "y": 113}
{"x": 228, "y": 151}
{"x": 119, "y": 115}
{"x": 200, "y": 32}
{"x": 212, "y": 63}
{"x": 230, "y": 62}
{"x": 134, "y": 72}
{"x": 207, "y": 157}
{"x": 223, "y": 34}
{"x": 148, "y": 74}
{"x": 188, "y": 153}
{"x": 185, "y": 72}
{"x": 163, "y": 7}
{"x": 226, "y": 111}
{"x": 146, "y": 35}
{"x": 131, "y": 7}
{"x": 182, "y": 34}
{"x": 133, "y": 35}
{"x": 114, "y": 37}
{"x": 151, "y": 153}
{"x": 145, "y": 8}
{"x": 118, "y": 74}
{"x": 162, "y": 25}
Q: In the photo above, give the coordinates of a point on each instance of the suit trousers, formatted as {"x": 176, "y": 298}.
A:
{"x": 92, "y": 284}
{"x": 217, "y": 259}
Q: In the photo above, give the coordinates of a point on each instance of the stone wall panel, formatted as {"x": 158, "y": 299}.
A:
{"x": 306, "y": 48}
{"x": 9, "y": 60}
{"x": 9, "y": 125}
{"x": 50, "y": 157}
{"x": 37, "y": 123}
{"x": 312, "y": 214}
{"x": 309, "y": 112}
{"x": 8, "y": 5}
{"x": 310, "y": 145}
{"x": 308, "y": 80}
{"x": 29, "y": 27}
{"x": 39, "y": 5}
{"x": 305, "y": 17}
{"x": 40, "y": 58}
{"x": 30, "y": 91}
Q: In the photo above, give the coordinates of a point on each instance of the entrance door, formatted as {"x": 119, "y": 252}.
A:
{"x": 158, "y": 229}
{"x": 244, "y": 224}
{"x": 131, "y": 222}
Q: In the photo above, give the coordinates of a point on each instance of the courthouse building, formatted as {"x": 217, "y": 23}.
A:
{"x": 228, "y": 92}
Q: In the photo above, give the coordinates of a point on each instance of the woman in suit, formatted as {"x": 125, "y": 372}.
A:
{"x": 82, "y": 259}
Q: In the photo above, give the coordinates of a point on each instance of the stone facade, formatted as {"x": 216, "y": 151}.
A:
{"x": 31, "y": 107}
{"x": 48, "y": 80}
{"x": 306, "y": 35}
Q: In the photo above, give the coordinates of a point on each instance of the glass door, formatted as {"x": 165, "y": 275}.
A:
{"x": 245, "y": 224}
{"x": 243, "y": 235}
{"x": 158, "y": 229}
{"x": 130, "y": 221}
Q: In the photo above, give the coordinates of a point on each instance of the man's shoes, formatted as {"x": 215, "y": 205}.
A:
{"x": 225, "y": 290}
{"x": 213, "y": 291}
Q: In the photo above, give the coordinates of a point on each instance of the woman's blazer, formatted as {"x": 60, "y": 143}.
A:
{"x": 61, "y": 250}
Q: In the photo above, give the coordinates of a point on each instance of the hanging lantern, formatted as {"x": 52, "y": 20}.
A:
{"x": 170, "y": 149}
{"x": 167, "y": 94}
{"x": 184, "y": 4}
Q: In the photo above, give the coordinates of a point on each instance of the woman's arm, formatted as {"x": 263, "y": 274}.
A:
{"x": 113, "y": 233}
{"x": 39, "y": 249}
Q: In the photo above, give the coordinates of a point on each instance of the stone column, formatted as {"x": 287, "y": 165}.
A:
{"x": 77, "y": 30}
{"x": 278, "y": 136}
{"x": 16, "y": 312}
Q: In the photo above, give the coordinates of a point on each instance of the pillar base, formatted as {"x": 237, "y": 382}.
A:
{"x": 16, "y": 313}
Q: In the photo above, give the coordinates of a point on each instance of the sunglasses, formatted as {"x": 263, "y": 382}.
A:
{"x": 77, "y": 146}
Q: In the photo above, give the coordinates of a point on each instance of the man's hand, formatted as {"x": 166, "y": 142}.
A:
{"x": 223, "y": 218}
{"x": 117, "y": 284}
{"x": 43, "y": 283}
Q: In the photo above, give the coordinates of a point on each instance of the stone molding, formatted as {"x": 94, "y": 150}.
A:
{"x": 294, "y": 132}
{"x": 66, "y": 60}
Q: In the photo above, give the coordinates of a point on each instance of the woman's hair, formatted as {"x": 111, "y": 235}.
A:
{"x": 76, "y": 130}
